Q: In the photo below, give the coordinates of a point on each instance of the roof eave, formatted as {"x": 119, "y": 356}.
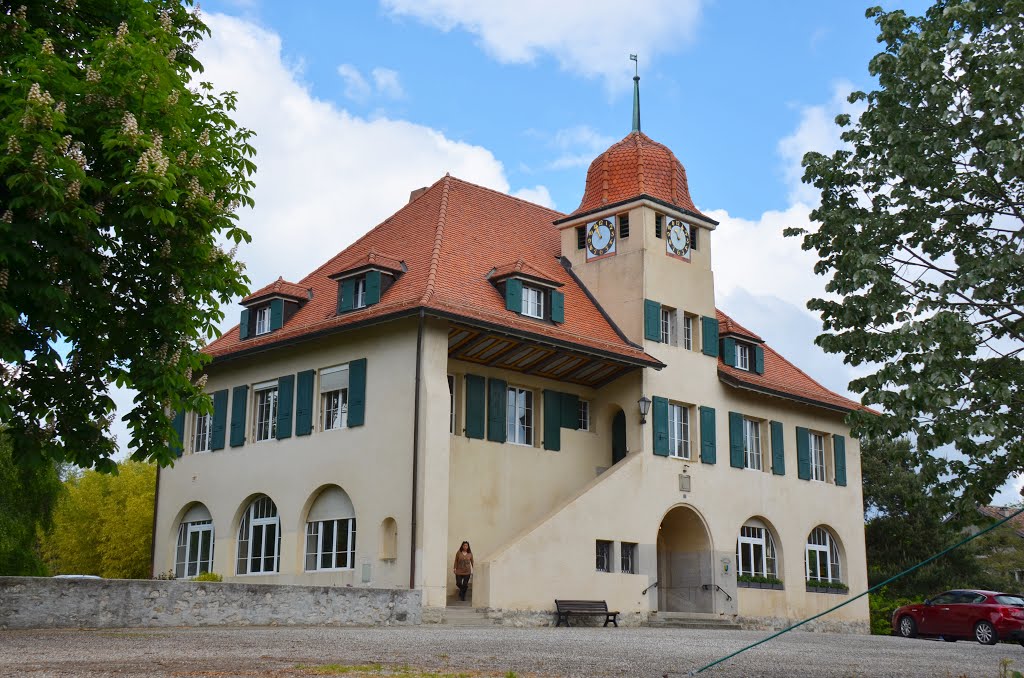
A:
{"x": 711, "y": 223}
{"x": 730, "y": 380}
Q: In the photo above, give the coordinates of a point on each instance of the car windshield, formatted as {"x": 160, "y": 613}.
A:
{"x": 1007, "y": 599}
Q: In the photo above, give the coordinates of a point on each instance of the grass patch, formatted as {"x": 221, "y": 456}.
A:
{"x": 374, "y": 670}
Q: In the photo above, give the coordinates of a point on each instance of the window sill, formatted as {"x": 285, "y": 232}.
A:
{"x": 758, "y": 585}
{"x": 331, "y": 569}
{"x": 827, "y": 589}
{"x": 680, "y": 458}
{"x": 258, "y": 574}
{"x": 509, "y": 442}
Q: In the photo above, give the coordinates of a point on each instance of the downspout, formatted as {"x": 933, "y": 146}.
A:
{"x": 152, "y": 546}
{"x": 415, "y": 451}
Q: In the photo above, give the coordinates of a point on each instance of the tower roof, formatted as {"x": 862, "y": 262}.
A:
{"x": 637, "y": 167}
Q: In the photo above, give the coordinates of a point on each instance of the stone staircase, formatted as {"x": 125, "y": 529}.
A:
{"x": 460, "y": 614}
{"x": 690, "y": 620}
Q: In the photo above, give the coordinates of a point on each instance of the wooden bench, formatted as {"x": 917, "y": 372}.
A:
{"x": 592, "y": 608}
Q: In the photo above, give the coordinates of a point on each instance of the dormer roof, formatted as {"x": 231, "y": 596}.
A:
{"x": 370, "y": 260}
{"x": 278, "y": 288}
{"x": 523, "y": 269}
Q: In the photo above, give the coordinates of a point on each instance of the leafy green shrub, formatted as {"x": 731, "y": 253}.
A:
{"x": 755, "y": 579}
{"x": 207, "y": 576}
{"x": 881, "y": 607}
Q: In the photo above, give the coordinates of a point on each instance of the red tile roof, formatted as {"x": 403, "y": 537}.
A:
{"x": 522, "y": 268}
{"x": 997, "y": 513}
{"x": 451, "y": 236}
{"x": 371, "y": 259}
{"x": 634, "y": 167}
{"x": 281, "y": 288}
{"x": 781, "y": 378}
{"x": 727, "y": 325}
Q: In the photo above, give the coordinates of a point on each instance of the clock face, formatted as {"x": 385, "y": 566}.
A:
{"x": 678, "y": 241}
{"x": 600, "y": 238}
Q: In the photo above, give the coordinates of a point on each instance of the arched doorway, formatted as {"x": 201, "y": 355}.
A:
{"x": 685, "y": 563}
{"x": 618, "y": 437}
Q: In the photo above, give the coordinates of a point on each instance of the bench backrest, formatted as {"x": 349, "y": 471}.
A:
{"x": 582, "y": 605}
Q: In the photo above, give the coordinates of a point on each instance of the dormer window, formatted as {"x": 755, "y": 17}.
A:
{"x": 743, "y": 356}
{"x": 263, "y": 320}
{"x": 533, "y": 302}
{"x": 359, "y": 293}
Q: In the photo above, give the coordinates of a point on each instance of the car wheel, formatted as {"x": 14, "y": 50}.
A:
{"x": 907, "y": 627}
{"x": 949, "y": 639}
{"x": 985, "y": 633}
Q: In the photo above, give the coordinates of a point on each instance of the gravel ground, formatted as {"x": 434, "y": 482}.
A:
{"x": 437, "y": 651}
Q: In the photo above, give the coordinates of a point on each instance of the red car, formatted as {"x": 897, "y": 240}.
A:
{"x": 985, "y": 616}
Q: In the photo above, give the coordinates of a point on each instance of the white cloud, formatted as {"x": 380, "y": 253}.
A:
{"x": 387, "y": 83}
{"x": 356, "y": 87}
{"x": 588, "y": 37}
{"x": 538, "y": 194}
{"x": 817, "y": 131}
{"x": 578, "y": 146}
{"x": 325, "y": 176}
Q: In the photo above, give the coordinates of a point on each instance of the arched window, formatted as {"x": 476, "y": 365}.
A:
{"x": 822, "y": 557}
{"x": 194, "y": 552}
{"x": 259, "y": 538}
{"x": 331, "y": 532}
{"x": 755, "y": 551}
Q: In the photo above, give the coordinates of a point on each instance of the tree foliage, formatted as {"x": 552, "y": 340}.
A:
{"x": 103, "y": 524}
{"x": 921, "y": 232}
{"x": 26, "y": 504}
{"x": 119, "y": 177}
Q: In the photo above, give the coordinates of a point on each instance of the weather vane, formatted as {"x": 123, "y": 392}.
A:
{"x": 636, "y": 64}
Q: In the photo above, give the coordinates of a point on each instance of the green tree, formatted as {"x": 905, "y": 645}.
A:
{"x": 119, "y": 176}
{"x": 26, "y": 504}
{"x": 103, "y": 524}
{"x": 921, "y": 232}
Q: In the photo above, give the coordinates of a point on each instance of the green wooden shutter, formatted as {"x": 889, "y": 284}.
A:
{"x": 304, "y": 403}
{"x": 346, "y": 294}
{"x": 839, "y": 451}
{"x": 356, "y": 392}
{"x": 758, "y": 359}
{"x": 557, "y": 307}
{"x": 276, "y": 313}
{"x": 243, "y": 325}
{"x": 736, "y": 459}
{"x": 514, "y": 295}
{"x": 497, "y": 396}
{"x": 660, "y": 411}
{"x": 803, "y": 453}
{"x": 707, "y": 435}
{"x": 709, "y": 330}
{"x": 570, "y": 411}
{"x": 553, "y": 420}
{"x": 285, "y": 397}
{"x": 239, "y": 399}
{"x": 476, "y": 413}
{"x": 652, "y": 320}
{"x": 179, "y": 431}
{"x": 220, "y": 420}
{"x": 372, "y": 287}
{"x": 729, "y": 351}
{"x": 778, "y": 449}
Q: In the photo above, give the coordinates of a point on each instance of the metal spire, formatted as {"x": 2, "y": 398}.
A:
{"x": 636, "y": 93}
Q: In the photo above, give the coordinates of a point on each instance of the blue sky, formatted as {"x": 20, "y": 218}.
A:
{"x": 357, "y": 103}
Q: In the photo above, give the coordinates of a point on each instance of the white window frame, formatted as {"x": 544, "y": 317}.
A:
{"x": 678, "y": 431}
{"x": 669, "y": 326}
{"x": 742, "y": 357}
{"x": 758, "y": 544}
{"x": 359, "y": 293}
{"x": 627, "y": 558}
{"x": 316, "y": 532}
{"x": 264, "y": 404}
{"x": 260, "y": 515}
{"x": 824, "y": 552}
{"x": 519, "y": 419}
{"x": 603, "y": 556}
{"x": 334, "y": 403}
{"x": 191, "y": 537}
{"x": 817, "y": 453}
{"x": 201, "y": 433}
{"x": 533, "y": 302}
{"x": 752, "y": 451}
{"x": 583, "y": 415}
{"x": 451, "y": 403}
{"x": 688, "y": 332}
{"x": 262, "y": 320}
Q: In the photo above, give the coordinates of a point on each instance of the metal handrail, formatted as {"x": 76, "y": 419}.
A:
{"x": 707, "y": 587}
{"x": 644, "y": 592}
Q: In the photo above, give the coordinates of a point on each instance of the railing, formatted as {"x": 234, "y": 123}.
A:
{"x": 644, "y": 592}
{"x": 708, "y": 587}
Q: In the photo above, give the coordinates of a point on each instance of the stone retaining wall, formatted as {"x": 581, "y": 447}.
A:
{"x": 40, "y": 602}
{"x": 818, "y": 625}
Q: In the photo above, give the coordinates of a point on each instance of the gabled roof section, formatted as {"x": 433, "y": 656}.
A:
{"x": 278, "y": 288}
{"x": 637, "y": 167}
{"x": 371, "y": 259}
{"x": 727, "y": 326}
{"x": 782, "y": 378}
{"x": 522, "y": 269}
{"x": 998, "y": 513}
{"x": 450, "y": 238}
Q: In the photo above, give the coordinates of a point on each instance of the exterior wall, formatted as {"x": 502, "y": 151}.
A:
{"x": 371, "y": 463}
{"x": 41, "y": 603}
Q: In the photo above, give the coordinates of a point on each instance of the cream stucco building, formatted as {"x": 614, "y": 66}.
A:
{"x": 475, "y": 368}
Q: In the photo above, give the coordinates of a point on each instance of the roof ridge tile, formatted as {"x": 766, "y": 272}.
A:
{"x": 435, "y": 254}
